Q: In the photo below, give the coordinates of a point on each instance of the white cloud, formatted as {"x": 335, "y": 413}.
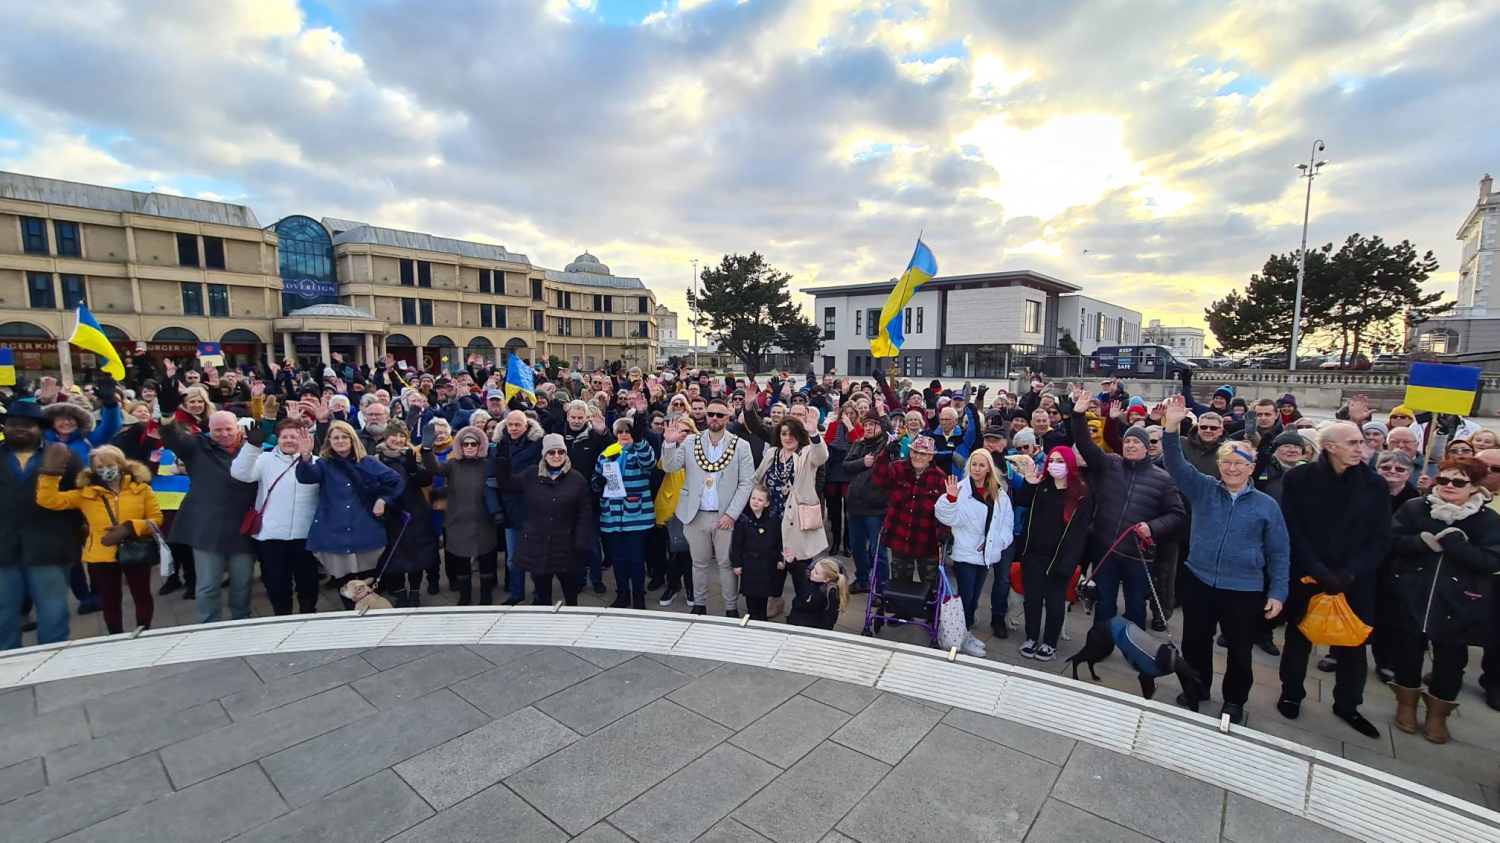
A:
{"x": 75, "y": 158}
{"x": 1068, "y": 160}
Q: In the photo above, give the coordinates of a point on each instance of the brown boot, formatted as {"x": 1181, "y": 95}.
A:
{"x": 1406, "y": 707}
{"x": 1435, "y": 728}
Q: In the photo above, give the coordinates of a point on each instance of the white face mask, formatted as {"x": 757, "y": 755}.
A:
{"x": 1057, "y": 469}
{"x": 109, "y": 474}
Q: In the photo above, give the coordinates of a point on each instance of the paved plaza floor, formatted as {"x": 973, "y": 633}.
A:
{"x": 1467, "y": 768}
{"x": 525, "y": 743}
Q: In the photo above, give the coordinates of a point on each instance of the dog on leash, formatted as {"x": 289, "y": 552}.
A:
{"x": 362, "y": 593}
{"x": 1150, "y": 659}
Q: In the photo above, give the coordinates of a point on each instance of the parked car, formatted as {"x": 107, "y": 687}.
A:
{"x": 1138, "y": 361}
{"x": 1345, "y": 361}
{"x": 1389, "y": 362}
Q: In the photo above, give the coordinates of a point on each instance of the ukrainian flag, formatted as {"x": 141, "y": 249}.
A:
{"x": 88, "y": 336}
{"x": 519, "y": 378}
{"x": 1437, "y": 388}
{"x": 922, "y": 268}
{"x": 169, "y": 486}
{"x": 7, "y": 367}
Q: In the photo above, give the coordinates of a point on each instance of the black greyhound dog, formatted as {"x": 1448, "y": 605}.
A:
{"x": 1151, "y": 660}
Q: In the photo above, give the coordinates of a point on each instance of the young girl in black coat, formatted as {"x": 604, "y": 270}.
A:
{"x": 755, "y": 550}
{"x": 822, "y": 593}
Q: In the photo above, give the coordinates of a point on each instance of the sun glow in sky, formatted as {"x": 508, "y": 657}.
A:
{"x": 1143, "y": 151}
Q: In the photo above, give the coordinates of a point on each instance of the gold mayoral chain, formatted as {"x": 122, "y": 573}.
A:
{"x": 718, "y": 465}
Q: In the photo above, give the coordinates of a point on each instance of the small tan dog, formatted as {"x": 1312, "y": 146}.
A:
{"x": 364, "y": 596}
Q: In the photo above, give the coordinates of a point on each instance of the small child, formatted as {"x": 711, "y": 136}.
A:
{"x": 822, "y": 593}
{"x": 756, "y": 553}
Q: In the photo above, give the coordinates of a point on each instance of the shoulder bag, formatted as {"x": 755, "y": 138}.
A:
{"x": 133, "y": 552}
{"x": 250, "y": 524}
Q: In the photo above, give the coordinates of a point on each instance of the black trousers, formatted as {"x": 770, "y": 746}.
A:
{"x": 755, "y": 607}
{"x": 1348, "y": 678}
{"x": 284, "y": 562}
{"x": 1206, "y": 610}
{"x": 1043, "y": 594}
{"x": 1489, "y": 668}
{"x": 460, "y": 574}
{"x": 1407, "y": 650}
{"x": 542, "y": 588}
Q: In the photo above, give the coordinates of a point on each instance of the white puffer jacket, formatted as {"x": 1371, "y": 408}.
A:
{"x": 289, "y": 515}
{"x": 966, "y": 516}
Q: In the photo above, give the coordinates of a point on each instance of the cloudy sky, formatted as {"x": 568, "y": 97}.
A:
{"x": 1144, "y": 149}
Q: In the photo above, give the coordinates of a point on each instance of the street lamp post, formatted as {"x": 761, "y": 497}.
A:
{"x": 695, "y": 313}
{"x": 1309, "y": 172}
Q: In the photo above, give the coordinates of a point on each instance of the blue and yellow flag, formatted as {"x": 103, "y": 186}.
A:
{"x": 88, "y": 336}
{"x": 169, "y": 486}
{"x": 7, "y": 367}
{"x": 519, "y": 378}
{"x": 1439, "y": 388}
{"x": 922, "y": 268}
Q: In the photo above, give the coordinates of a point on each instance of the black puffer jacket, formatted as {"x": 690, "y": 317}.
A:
{"x": 1449, "y": 596}
{"x": 559, "y": 512}
{"x": 864, "y": 498}
{"x": 1126, "y": 492}
{"x": 755, "y": 549}
{"x": 1337, "y": 521}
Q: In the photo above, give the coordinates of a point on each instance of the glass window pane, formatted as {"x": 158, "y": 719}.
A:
{"x": 192, "y": 299}
{"x": 34, "y": 236}
{"x": 68, "y": 245}
{"x": 408, "y": 311}
{"x": 187, "y": 250}
{"x": 39, "y": 289}
{"x": 426, "y": 308}
{"x": 218, "y": 300}
{"x": 408, "y": 273}
{"x": 73, "y": 291}
{"x": 213, "y": 252}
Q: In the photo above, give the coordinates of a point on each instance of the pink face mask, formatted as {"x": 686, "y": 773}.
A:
{"x": 1057, "y": 469}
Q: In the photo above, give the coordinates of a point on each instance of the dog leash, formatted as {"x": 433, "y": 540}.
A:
{"x": 391, "y": 554}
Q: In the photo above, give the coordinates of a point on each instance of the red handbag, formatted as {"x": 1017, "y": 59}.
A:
{"x": 250, "y": 524}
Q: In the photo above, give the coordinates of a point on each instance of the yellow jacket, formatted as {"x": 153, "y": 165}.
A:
{"x": 135, "y": 504}
{"x": 666, "y": 497}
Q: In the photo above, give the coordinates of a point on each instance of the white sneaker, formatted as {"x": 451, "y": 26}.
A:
{"x": 1028, "y": 650}
{"x": 971, "y": 647}
{"x": 1045, "y": 653}
{"x": 970, "y": 639}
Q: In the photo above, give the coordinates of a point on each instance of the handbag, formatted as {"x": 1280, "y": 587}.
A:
{"x": 133, "y": 553}
{"x": 250, "y": 524}
{"x": 809, "y": 516}
{"x": 676, "y": 537}
{"x": 952, "y": 628}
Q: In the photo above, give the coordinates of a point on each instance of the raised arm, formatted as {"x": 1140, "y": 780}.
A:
{"x": 1078, "y": 425}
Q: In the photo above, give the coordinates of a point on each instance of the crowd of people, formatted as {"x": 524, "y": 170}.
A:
{"x": 1234, "y": 514}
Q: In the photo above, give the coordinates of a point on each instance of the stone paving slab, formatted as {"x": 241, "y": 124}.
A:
{"x": 609, "y": 746}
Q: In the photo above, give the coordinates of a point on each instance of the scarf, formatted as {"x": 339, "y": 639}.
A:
{"x": 1452, "y": 513}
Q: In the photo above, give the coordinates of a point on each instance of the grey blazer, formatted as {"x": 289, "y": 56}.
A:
{"x": 735, "y": 485}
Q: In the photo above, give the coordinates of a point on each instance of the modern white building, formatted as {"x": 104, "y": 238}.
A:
{"x": 1187, "y": 341}
{"x": 1094, "y": 323}
{"x": 955, "y": 326}
{"x": 1474, "y": 325}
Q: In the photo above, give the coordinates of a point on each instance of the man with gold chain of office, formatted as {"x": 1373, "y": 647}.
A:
{"x": 720, "y": 473}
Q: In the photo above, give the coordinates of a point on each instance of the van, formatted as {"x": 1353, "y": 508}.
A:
{"x": 1138, "y": 361}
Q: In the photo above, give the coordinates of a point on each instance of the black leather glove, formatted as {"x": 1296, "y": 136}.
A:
{"x": 1346, "y": 578}
{"x": 878, "y": 374}
{"x": 429, "y": 435}
{"x": 498, "y": 518}
{"x": 1330, "y": 582}
{"x": 104, "y": 387}
{"x": 257, "y": 435}
{"x": 893, "y": 450}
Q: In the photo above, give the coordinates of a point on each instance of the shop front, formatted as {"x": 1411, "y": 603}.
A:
{"x": 37, "y": 353}
{"x": 312, "y": 335}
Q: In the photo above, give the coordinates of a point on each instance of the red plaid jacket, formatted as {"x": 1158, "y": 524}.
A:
{"x": 911, "y": 525}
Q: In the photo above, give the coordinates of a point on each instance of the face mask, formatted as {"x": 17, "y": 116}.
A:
{"x": 109, "y": 475}
{"x": 1057, "y": 469}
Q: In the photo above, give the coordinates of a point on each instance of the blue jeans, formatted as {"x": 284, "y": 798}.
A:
{"x": 1000, "y": 591}
{"x": 969, "y": 580}
{"x": 47, "y": 586}
{"x": 1118, "y": 571}
{"x": 627, "y": 553}
{"x": 864, "y": 532}
{"x": 210, "y": 567}
{"x": 517, "y": 577}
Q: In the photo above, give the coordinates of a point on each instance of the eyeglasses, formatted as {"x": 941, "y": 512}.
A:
{"x": 1155, "y": 441}
{"x": 1455, "y": 482}
{"x": 717, "y": 415}
{"x": 1398, "y": 468}
{"x": 557, "y": 452}
{"x": 471, "y": 444}
{"x": 1467, "y": 452}
{"x": 1209, "y": 429}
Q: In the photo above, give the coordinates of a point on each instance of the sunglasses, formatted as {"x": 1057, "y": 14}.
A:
{"x": 471, "y": 444}
{"x": 1155, "y": 441}
{"x": 1467, "y": 452}
{"x": 1209, "y": 428}
{"x": 1456, "y": 482}
{"x": 557, "y": 452}
{"x": 717, "y": 415}
{"x": 1397, "y": 468}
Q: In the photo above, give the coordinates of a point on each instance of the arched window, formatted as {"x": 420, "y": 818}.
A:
{"x": 306, "y": 252}
{"x": 240, "y": 335}
{"x": 23, "y": 330}
{"x": 175, "y": 335}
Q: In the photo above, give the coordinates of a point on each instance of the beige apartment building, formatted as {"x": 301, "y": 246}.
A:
{"x": 174, "y": 272}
